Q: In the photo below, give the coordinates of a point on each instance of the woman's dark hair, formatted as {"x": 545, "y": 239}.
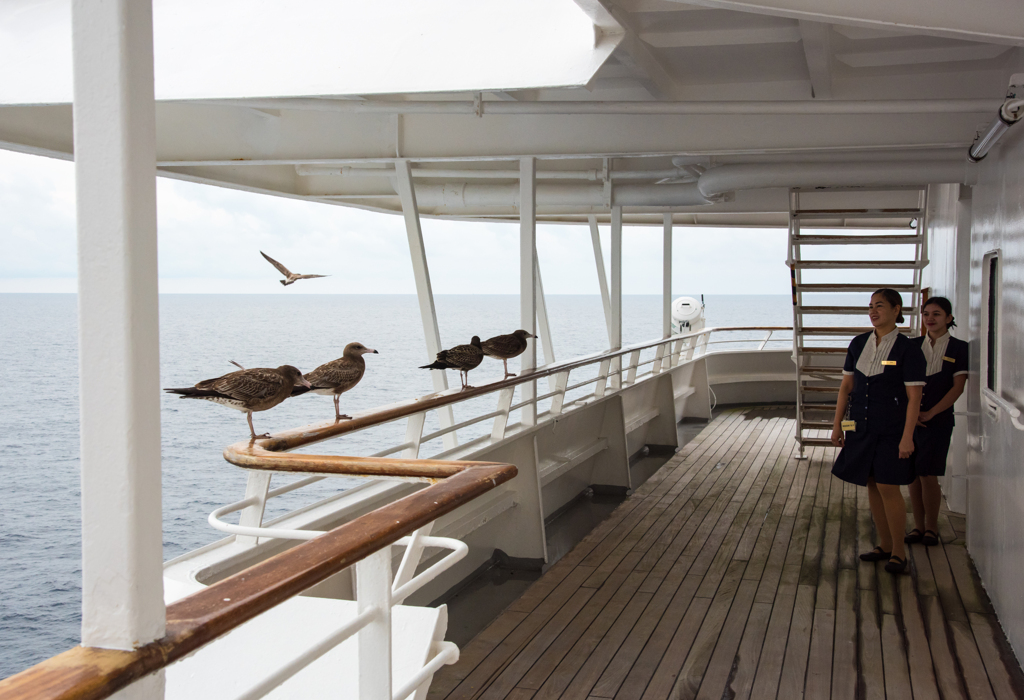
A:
{"x": 944, "y": 304}
{"x": 894, "y": 299}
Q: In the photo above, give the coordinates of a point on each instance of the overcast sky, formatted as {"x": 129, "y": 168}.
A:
{"x": 210, "y": 239}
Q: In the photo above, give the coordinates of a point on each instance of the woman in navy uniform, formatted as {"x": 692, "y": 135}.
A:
{"x": 882, "y": 382}
{"x": 945, "y": 377}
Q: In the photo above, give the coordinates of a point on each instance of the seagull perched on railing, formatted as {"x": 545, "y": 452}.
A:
{"x": 248, "y": 390}
{"x": 337, "y": 376}
{"x": 505, "y": 347}
{"x": 460, "y": 357}
{"x": 289, "y": 276}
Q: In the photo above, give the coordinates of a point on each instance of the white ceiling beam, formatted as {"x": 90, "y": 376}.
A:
{"x": 633, "y": 53}
{"x": 907, "y": 57}
{"x": 991, "y": 21}
{"x": 655, "y": 6}
{"x": 818, "y": 54}
{"x": 722, "y": 37}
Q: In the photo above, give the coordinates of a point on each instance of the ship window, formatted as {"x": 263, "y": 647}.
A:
{"x": 991, "y": 284}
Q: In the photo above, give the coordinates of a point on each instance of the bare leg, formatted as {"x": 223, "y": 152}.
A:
{"x": 931, "y": 496}
{"x": 878, "y": 515}
{"x": 252, "y": 430}
{"x": 917, "y": 504}
{"x": 895, "y": 516}
{"x": 507, "y": 373}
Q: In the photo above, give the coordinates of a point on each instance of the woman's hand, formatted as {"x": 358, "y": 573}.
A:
{"x": 838, "y": 437}
{"x": 906, "y": 447}
{"x": 925, "y": 416}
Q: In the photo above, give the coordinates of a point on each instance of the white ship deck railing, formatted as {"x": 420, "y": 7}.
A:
{"x": 364, "y": 542}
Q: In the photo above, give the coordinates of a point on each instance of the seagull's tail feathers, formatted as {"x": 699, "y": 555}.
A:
{"x": 437, "y": 364}
{"x": 190, "y": 392}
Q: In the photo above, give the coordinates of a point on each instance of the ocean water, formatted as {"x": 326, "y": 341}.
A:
{"x": 40, "y": 576}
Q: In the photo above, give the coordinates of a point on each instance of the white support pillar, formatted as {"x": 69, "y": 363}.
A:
{"x": 118, "y": 330}
{"x": 418, "y": 253}
{"x": 543, "y": 327}
{"x": 373, "y": 590}
{"x": 666, "y": 278}
{"x": 602, "y": 279}
{"x": 528, "y": 277}
{"x": 615, "y": 327}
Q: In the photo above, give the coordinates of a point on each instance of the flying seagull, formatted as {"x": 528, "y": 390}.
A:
{"x": 460, "y": 357}
{"x": 248, "y": 390}
{"x": 505, "y": 347}
{"x": 289, "y": 276}
{"x": 337, "y": 376}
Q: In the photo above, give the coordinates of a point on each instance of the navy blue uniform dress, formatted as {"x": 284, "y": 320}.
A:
{"x": 944, "y": 360}
{"x": 878, "y": 404}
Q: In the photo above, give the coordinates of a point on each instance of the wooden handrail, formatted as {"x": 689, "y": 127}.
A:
{"x": 90, "y": 673}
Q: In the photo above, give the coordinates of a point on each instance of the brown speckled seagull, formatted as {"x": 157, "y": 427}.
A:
{"x": 248, "y": 390}
{"x": 289, "y": 276}
{"x": 505, "y": 347}
{"x": 338, "y": 376}
{"x": 460, "y": 357}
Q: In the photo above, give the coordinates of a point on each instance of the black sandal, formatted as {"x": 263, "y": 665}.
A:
{"x": 876, "y": 554}
{"x": 930, "y": 540}
{"x": 914, "y": 536}
{"x": 895, "y": 565}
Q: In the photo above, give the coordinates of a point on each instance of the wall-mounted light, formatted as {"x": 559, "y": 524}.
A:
{"x": 1009, "y": 114}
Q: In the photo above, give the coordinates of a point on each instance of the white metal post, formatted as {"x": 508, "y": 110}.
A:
{"x": 666, "y": 278}
{"x": 602, "y": 278}
{"x": 373, "y": 590}
{"x": 118, "y": 312}
{"x": 418, "y": 252}
{"x": 527, "y": 277}
{"x": 257, "y": 485}
{"x": 615, "y": 330}
{"x": 543, "y": 327}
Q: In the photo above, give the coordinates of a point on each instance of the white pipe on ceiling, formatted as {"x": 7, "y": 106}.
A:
{"x": 463, "y": 195}
{"x": 752, "y": 176}
{"x": 572, "y": 107}
{"x": 479, "y": 174}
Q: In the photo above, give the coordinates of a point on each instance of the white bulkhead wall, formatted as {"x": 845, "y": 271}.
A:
{"x": 992, "y": 213}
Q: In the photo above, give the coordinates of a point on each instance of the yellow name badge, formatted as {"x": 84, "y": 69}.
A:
{"x": 948, "y": 359}
{"x": 849, "y": 426}
{"x": 891, "y": 363}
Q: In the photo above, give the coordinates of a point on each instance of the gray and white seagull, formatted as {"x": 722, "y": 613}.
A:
{"x": 289, "y": 276}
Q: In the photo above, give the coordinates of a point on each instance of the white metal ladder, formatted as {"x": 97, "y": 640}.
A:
{"x": 819, "y": 348}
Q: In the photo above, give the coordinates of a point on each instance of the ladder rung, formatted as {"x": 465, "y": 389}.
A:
{"x": 819, "y": 408}
{"x": 843, "y": 330}
{"x": 821, "y": 370}
{"x": 909, "y": 211}
{"x": 822, "y": 351}
{"x": 857, "y": 240}
{"x": 858, "y": 264}
{"x": 821, "y": 389}
{"x": 841, "y": 311}
{"x": 815, "y": 442}
{"x": 815, "y": 425}
{"x": 909, "y": 288}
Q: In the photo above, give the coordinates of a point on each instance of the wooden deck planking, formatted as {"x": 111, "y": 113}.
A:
{"x": 733, "y": 573}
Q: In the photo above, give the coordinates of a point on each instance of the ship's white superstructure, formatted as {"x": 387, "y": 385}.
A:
{"x": 878, "y": 119}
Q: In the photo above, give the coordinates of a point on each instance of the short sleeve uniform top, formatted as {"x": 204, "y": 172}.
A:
{"x": 945, "y": 360}
{"x": 878, "y": 405}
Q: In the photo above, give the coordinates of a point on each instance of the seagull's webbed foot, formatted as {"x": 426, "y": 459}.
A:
{"x": 509, "y": 374}
{"x": 254, "y": 437}
{"x": 342, "y": 416}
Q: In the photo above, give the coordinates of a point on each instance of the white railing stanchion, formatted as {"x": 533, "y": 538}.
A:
{"x": 765, "y": 341}
{"x": 257, "y": 488}
{"x": 414, "y": 434}
{"x": 634, "y": 361}
{"x": 601, "y": 382}
{"x": 561, "y": 382}
{"x": 373, "y": 590}
{"x": 659, "y": 356}
{"x": 411, "y": 558}
{"x": 504, "y": 408}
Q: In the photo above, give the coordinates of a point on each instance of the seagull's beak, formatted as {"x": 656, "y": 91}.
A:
{"x": 372, "y": 351}
{"x": 304, "y": 382}
{"x": 534, "y": 336}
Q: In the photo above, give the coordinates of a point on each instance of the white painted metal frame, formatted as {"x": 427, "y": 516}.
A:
{"x": 119, "y": 350}
{"x": 615, "y": 327}
{"x": 528, "y": 279}
{"x": 421, "y": 273}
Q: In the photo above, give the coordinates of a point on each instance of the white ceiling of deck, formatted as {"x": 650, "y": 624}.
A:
{"x": 815, "y": 51}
